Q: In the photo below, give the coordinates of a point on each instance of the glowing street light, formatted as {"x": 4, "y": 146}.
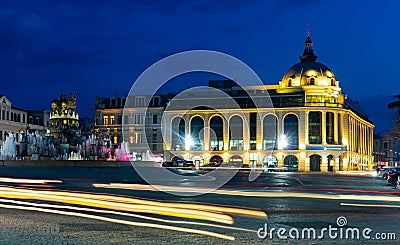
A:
{"x": 188, "y": 142}
{"x": 282, "y": 142}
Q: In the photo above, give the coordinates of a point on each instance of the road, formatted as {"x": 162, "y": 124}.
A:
{"x": 65, "y": 205}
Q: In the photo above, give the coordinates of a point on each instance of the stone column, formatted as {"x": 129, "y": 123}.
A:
{"x": 206, "y": 145}
{"x": 324, "y": 164}
{"x": 280, "y": 157}
{"x": 323, "y": 127}
{"x": 335, "y": 128}
{"x": 226, "y": 132}
{"x": 187, "y": 130}
{"x": 167, "y": 132}
{"x": 307, "y": 164}
{"x": 259, "y": 127}
{"x": 306, "y": 128}
{"x": 246, "y": 132}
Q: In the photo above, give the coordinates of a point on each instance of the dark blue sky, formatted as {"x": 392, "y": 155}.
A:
{"x": 100, "y": 47}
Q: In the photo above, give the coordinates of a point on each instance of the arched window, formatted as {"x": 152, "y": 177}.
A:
{"x": 315, "y": 163}
{"x": 291, "y": 131}
{"x": 270, "y": 161}
{"x": 236, "y": 133}
{"x": 291, "y": 163}
{"x": 333, "y": 82}
{"x": 216, "y": 160}
{"x": 196, "y": 133}
{"x": 156, "y": 101}
{"x": 216, "y": 133}
{"x": 290, "y": 83}
{"x": 178, "y": 134}
{"x": 312, "y": 81}
{"x": 270, "y": 131}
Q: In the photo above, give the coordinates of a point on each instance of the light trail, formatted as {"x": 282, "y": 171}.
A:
{"x": 122, "y": 214}
{"x": 126, "y": 222}
{"x": 28, "y": 181}
{"x": 93, "y": 200}
{"x": 130, "y": 200}
{"x": 286, "y": 194}
{"x": 370, "y": 205}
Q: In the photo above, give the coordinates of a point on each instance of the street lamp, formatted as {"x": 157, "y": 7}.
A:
{"x": 282, "y": 142}
{"x": 188, "y": 142}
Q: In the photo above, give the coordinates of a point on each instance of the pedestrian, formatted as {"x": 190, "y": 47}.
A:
{"x": 395, "y": 179}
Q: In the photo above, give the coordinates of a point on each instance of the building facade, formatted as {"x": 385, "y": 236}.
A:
{"x": 12, "y": 120}
{"x": 21, "y": 122}
{"x": 64, "y": 119}
{"x": 386, "y": 151}
{"x": 140, "y": 123}
{"x": 310, "y": 125}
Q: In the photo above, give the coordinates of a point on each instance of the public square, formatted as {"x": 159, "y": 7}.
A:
{"x": 289, "y": 200}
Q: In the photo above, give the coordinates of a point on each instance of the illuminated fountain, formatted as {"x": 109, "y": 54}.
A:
{"x": 111, "y": 158}
{"x": 8, "y": 148}
{"x": 122, "y": 153}
{"x": 75, "y": 156}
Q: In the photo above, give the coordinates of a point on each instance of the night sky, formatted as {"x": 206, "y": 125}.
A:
{"x": 100, "y": 47}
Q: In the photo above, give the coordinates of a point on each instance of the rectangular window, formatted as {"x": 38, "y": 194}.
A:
{"x": 314, "y": 127}
{"x": 112, "y": 120}
{"x": 339, "y": 123}
{"x": 105, "y": 120}
{"x": 8, "y": 115}
{"x": 23, "y": 118}
{"x": 138, "y": 138}
{"x": 115, "y": 140}
{"x": 1, "y": 135}
{"x": 139, "y": 101}
{"x": 155, "y": 119}
{"x": 270, "y": 132}
{"x": 131, "y": 139}
{"x": 330, "y": 130}
{"x": 138, "y": 119}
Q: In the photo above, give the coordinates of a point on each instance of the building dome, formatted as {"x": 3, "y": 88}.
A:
{"x": 308, "y": 72}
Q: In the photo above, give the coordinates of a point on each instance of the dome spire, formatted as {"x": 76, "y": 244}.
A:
{"x": 308, "y": 54}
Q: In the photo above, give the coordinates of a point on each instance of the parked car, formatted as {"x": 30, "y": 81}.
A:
{"x": 180, "y": 163}
{"x": 272, "y": 168}
{"x": 393, "y": 178}
{"x": 383, "y": 172}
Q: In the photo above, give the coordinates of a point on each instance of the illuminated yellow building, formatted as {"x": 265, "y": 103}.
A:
{"x": 312, "y": 125}
{"x": 64, "y": 120}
